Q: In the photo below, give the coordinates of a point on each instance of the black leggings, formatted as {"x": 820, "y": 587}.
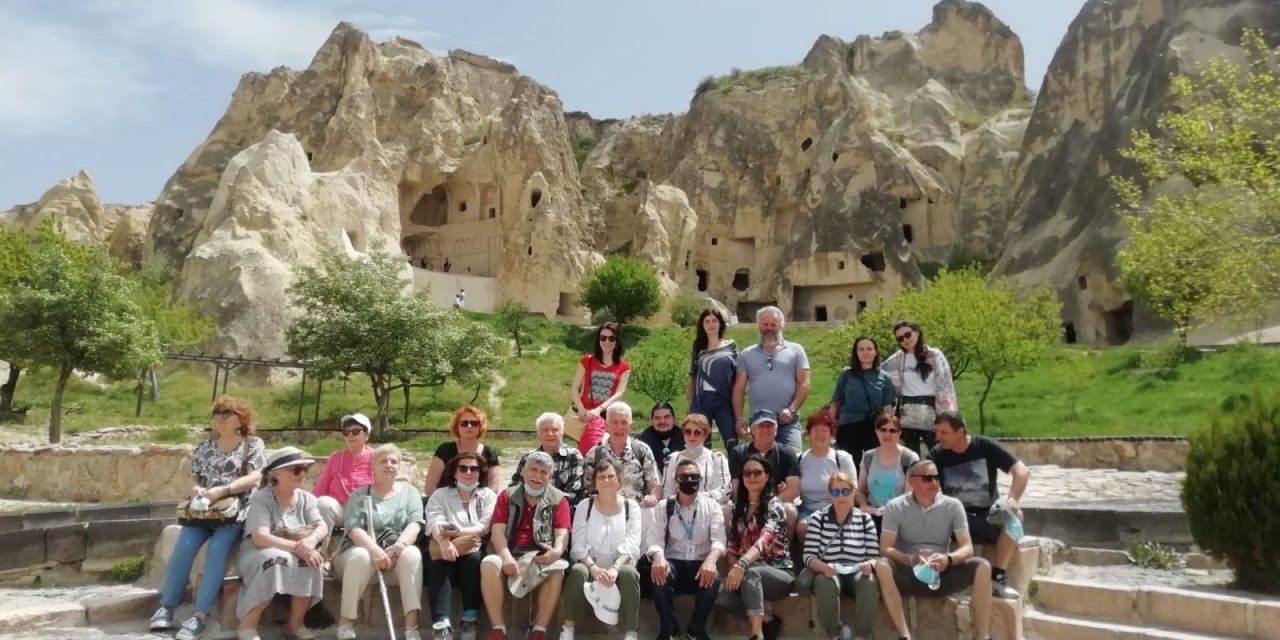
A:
{"x": 465, "y": 572}
{"x": 857, "y": 437}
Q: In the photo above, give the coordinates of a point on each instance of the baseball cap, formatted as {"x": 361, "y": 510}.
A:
{"x": 358, "y": 418}
{"x": 762, "y": 416}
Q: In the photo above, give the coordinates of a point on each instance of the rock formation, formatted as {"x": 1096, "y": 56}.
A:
{"x": 75, "y": 204}
{"x": 1109, "y": 75}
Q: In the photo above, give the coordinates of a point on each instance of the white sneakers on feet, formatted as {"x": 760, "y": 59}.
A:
{"x": 347, "y": 632}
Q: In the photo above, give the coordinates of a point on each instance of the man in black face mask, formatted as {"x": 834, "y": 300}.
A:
{"x": 685, "y": 543}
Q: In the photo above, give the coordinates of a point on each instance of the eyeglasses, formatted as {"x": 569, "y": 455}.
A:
{"x": 752, "y": 473}
{"x": 927, "y": 478}
{"x": 697, "y": 433}
{"x": 223, "y": 413}
{"x": 903, "y": 337}
{"x": 888, "y": 430}
{"x": 469, "y": 468}
{"x": 468, "y": 423}
{"x": 841, "y": 492}
{"x": 689, "y": 477}
{"x": 297, "y": 471}
{"x": 352, "y": 432}
{"x": 608, "y": 338}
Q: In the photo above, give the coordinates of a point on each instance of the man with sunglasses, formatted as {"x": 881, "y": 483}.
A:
{"x": 681, "y": 550}
{"x": 969, "y": 466}
{"x": 776, "y": 374}
{"x": 785, "y": 461}
{"x": 346, "y": 470}
{"x": 915, "y": 550}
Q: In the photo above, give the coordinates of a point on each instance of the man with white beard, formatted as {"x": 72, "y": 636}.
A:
{"x": 777, "y": 373}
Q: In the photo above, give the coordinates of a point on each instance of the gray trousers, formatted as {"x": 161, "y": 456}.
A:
{"x": 866, "y": 597}
{"x": 761, "y": 583}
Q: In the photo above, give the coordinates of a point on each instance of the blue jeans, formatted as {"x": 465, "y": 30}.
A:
{"x": 789, "y": 434}
{"x": 719, "y": 410}
{"x": 190, "y": 539}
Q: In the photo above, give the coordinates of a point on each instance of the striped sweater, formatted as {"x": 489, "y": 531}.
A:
{"x": 831, "y": 542}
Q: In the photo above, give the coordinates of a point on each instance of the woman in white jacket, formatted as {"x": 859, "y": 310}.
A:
{"x": 713, "y": 464}
{"x": 922, "y": 377}
{"x": 605, "y": 547}
{"x": 458, "y": 518}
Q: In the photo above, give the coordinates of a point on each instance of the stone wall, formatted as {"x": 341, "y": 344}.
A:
{"x": 1125, "y": 454}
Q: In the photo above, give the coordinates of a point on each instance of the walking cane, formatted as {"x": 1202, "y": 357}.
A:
{"x": 382, "y": 583}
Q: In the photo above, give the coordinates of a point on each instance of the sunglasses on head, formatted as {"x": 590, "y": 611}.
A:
{"x": 902, "y": 337}
{"x": 841, "y": 492}
{"x": 223, "y": 413}
{"x": 752, "y": 473}
{"x": 468, "y": 423}
{"x": 469, "y": 468}
{"x": 888, "y": 430}
{"x": 927, "y": 477}
{"x": 608, "y": 338}
{"x": 352, "y": 432}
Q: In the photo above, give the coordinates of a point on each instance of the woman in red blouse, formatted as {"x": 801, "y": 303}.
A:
{"x": 600, "y": 381}
{"x": 759, "y": 550}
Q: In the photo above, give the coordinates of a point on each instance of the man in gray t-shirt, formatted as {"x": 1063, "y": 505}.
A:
{"x": 917, "y": 530}
{"x": 776, "y": 374}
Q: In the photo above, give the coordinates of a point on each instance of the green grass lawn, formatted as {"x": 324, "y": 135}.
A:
{"x": 1073, "y": 392}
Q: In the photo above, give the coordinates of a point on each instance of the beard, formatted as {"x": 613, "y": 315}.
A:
{"x": 770, "y": 338}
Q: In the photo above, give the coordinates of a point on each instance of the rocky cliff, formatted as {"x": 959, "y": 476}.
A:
{"x": 74, "y": 203}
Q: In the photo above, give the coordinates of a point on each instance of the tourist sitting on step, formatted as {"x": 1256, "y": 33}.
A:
{"x": 568, "y": 473}
{"x": 640, "y": 481}
{"x": 916, "y": 558}
{"x": 529, "y": 538}
{"x": 683, "y": 561}
{"x": 759, "y": 549}
{"x": 816, "y": 466}
{"x": 459, "y": 514}
{"x": 712, "y": 465}
{"x": 605, "y": 545}
{"x": 882, "y": 476}
{"x": 389, "y": 547}
{"x": 280, "y": 554}
{"x": 468, "y": 425}
{"x": 969, "y": 466}
{"x": 347, "y": 470}
{"x": 784, "y": 466}
{"x": 601, "y": 380}
{"x": 227, "y": 465}
{"x": 662, "y": 436}
{"x": 840, "y": 552}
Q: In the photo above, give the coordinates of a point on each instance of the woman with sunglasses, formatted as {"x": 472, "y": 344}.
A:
{"x": 227, "y": 464}
{"x": 711, "y": 372}
{"x": 348, "y": 469}
{"x": 468, "y": 425}
{"x": 600, "y": 381}
{"x": 817, "y": 465}
{"x": 863, "y": 393}
{"x": 839, "y": 560}
{"x": 713, "y": 465}
{"x": 922, "y": 377}
{"x": 458, "y": 519}
{"x": 389, "y": 547}
{"x": 882, "y": 475}
{"x": 758, "y": 550}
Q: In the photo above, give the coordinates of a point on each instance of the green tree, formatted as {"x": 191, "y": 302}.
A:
{"x": 661, "y": 375}
{"x": 625, "y": 287}
{"x": 1204, "y": 213}
{"x": 76, "y": 316}
{"x": 686, "y": 307}
{"x": 354, "y": 315}
{"x": 514, "y": 318}
{"x": 180, "y": 324}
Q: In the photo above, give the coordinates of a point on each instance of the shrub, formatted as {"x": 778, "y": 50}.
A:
{"x": 172, "y": 434}
{"x": 1231, "y": 493}
{"x": 127, "y": 570}
{"x": 626, "y": 287}
{"x": 661, "y": 375}
{"x": 582, "y": 148}
{"x": 753, "y": 79}
{"x": 685, "y": 309}
{"x": 971, "y": 121}
{"x": 1153, "y": 555}
{"x": 1163, "y": 361}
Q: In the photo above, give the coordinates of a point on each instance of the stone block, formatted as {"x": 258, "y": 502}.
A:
{"x": 1266, "y": 620}
{"x": 122, "y": 538}
{"x": 1194, "y": 611}
{"x": 11, "y": 522}
{"x": 1114, "y": 602}
{"x": 65, "y": 543}
{"x": 44, "y": 519}
{"x": 132, "y": 604}
{"x": 24, "y": 617}
{"x": 21, "y": 549}
{"x": 1045, "y": 626}
{"x": 99, "y": 513}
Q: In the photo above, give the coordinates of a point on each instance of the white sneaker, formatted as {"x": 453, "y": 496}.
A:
{"x": 1001, "y": 589}
{"x": 412, "y": 634}
{"x": 247, "y": 634}
{"x": 347, "y": 632}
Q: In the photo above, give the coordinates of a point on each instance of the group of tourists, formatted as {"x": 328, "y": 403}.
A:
{"x": 594, "y": 529}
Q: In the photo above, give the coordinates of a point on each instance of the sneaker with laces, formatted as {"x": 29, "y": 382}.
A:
{"x": 192, "y": 629}
{"x": 441, "y": 630}
{"x": 162, "y": 619}
{"x": 1001, "y": 589}
{"x": 469, "y": 630}
{"x": 247, "y": 634}
{"x": 302, "y": 633}
{"x": 412, "y": 634}
{"x": 347, "y": 632}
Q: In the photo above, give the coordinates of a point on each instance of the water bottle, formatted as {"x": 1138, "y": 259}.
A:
{"x": 845, "y": 633}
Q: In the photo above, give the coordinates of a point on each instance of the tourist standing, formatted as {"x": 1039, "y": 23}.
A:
{"x": 776, "y": 374}
{"x": 922, "y": 378}
{"x": 600, "y": 381}
{"x": 882, "y": 476}
{"x": 863, "y": 393}
{"x": 712, "y": 371}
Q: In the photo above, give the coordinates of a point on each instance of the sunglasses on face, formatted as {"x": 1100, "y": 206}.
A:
{"x": 223, "y": 413}
{"x": 903, "y": 337}
{"x": 351, "y": 433}
{"x": 689, "y": 477}
{"x": 697, "y": 433}
{"x": 927, "y": 478}
{"x": 469, "y": 468}
{"x": 752, "y": 473}
{"x": 468, "y": 423}
{"x": 888, "y": 430}
{"x": 841, "y": 492}
{"x": 297, "y": 471}
{"x": 608, "y": 338}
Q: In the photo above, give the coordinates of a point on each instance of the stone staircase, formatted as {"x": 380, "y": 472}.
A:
{"x": 1086, "y": 610}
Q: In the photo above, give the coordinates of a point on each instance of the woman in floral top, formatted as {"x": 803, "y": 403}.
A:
{"x": 759, "y": 550}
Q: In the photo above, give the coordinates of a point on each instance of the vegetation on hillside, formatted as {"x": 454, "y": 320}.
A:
{"x": 753, "y": 79}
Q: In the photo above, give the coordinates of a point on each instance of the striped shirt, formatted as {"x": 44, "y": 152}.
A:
{"x": 849, "y": 543}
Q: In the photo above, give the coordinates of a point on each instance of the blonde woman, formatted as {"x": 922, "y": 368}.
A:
{"x": 713, "y": 465}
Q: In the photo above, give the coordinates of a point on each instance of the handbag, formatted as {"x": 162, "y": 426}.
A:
{"x": 221, "y": 513}
{"x": 573, "y": 425}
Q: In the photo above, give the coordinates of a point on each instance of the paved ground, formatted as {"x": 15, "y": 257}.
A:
{"x": 1054, "y": 486}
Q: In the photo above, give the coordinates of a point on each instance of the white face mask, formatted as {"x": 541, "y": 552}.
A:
{"x": 468, "y": 486}
{"x": 530, "y": 491}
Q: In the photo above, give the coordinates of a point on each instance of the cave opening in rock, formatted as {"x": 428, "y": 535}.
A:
{"x": 742, "y": 280}
{"x": 530, "y": 251}
{"x": 565, "y": 306}
{"x": 535, "y": 198}
{"x": 840, "y": 267}
{"x": 687, "y": 255}
{"x": 808, "y": 142}
{"x": 1082, "y": 282}
{"x": 715, "y": 241}
{"x": 432, "y": 209}
{"x": 493, "y": 213}
{"x": 862, "y": 306}
{"x": 908, "y": 233}
{"x": 873, "y": 261}
{"x": 1069, "y": 332}
{"x": 902, "y": 203}
{"x": 835, "y": 155}
{"x": 1119, "y": 322}
{"x": 462, "y": 206}
{"x": 702, "y": 279}
{"x": 820, "y": 313}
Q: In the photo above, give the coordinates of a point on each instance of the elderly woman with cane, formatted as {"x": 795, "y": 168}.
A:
{"x": 382, "y": 522}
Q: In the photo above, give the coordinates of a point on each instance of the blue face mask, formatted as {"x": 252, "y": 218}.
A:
{"x": 694, "y": 450}
{"x": 1013, "y": 527}
{"x": 468, "y": 486}
{"x": 927, "y": 574}
{"x": 530, "y": 491}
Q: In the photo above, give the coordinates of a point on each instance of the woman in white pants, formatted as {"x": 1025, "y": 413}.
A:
{"x": 389, "y": 547}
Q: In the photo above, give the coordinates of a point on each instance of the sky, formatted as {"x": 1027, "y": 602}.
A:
{"x": 126, "y": 89}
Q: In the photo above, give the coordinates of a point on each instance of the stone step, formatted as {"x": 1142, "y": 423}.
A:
{"x": 1182, "y": 610}
{"x": 1049, "y": 626}
{"x": 27, "y": 609}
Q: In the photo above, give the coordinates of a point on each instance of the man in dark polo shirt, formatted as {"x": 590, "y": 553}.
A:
{"x": 785, "y": 461}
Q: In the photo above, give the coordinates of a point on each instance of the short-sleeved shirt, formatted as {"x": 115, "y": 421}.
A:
{"x": 771, "y": 378}
{"x": 971, "y": 476}
{"x": 448, "y": 450}
{"x": 214, "y": 468}
{"x": 264, "y": 511}
{"x": 522, "y": 537}
{"x": 785, "y": 461}
{"x": 885, "y": 482}
{"x": 919, "y": 527}
{"x": 815, "y": 470}
{"x": 713, "y": 370}
{"x": 600, "y": 382}
{"x": 394, "y": 513}
{"x": 638, "y": 467}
